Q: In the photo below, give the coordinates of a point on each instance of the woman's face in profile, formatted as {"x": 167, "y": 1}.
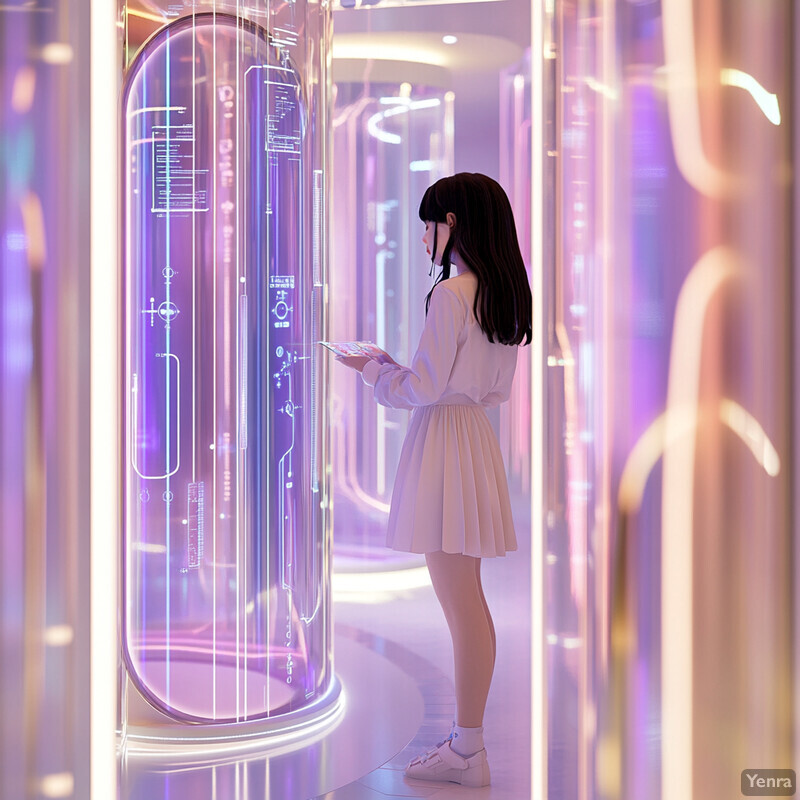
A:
{"x": 442, "y": 237}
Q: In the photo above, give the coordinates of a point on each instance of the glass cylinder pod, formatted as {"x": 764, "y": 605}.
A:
{"x": 226, "y": 564}
{"x": 391, "y": 141}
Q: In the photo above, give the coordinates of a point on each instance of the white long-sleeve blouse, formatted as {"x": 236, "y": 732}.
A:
{"x": 455, "y": 362}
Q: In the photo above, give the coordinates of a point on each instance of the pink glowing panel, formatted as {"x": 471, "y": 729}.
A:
{"x": 226, "y": 614}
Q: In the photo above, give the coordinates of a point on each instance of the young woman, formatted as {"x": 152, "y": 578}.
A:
{"x": 450, "y": 498}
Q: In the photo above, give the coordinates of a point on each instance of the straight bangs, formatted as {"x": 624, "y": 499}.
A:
{"x": 429, "y": 208}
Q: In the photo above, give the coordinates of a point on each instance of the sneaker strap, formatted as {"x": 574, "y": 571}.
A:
{"x": 451, "y": 758}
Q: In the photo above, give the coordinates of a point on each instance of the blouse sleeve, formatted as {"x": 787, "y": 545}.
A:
{"x": 425, "y": 380}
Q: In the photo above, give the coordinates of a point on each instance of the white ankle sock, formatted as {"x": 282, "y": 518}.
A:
{"x": 467, "y": 741}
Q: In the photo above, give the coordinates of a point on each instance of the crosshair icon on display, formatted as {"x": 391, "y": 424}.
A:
{"x": 168, "y": 311}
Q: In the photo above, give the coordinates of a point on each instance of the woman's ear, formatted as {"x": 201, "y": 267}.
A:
{"x": 451, "y": 219}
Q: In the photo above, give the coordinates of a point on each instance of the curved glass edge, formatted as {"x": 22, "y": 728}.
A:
{"x": 199, "y": 743}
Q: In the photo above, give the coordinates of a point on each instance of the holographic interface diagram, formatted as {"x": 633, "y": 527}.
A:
{"x": 225, "y": 619}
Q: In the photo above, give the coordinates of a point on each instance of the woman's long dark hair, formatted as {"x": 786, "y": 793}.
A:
{"x": 485, "y": 237}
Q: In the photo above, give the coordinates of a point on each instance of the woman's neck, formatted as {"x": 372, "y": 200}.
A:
{"x": 455, "y": 262}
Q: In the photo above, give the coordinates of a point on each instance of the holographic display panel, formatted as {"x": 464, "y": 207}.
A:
{"x": 226, "y": 616}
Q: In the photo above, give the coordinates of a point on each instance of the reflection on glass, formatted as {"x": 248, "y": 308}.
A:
{"x": 226, "y": 614}
{"x": 669, "y": 499}
{"x": 391, "y": 141}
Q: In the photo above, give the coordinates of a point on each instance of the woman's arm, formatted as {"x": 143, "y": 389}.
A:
{"x": 425, "y": 380}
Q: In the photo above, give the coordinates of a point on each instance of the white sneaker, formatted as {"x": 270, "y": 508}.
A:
{"x": 443, "y": 764}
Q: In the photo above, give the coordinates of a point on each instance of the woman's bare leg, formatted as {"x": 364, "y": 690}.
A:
{"x": 456, "y": 581}
{"x": 486, "y": 609}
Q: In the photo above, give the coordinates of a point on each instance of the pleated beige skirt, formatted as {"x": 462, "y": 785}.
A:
{"x": 451, "y": 492}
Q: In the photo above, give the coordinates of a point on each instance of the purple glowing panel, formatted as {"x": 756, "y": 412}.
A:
{"x": 224, "y": 528}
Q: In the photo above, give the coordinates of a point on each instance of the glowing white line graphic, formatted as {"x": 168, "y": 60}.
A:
{"x": 684, "y": 106}
{"x": 652, "y": 444}
{"x": 749, "y": 430}
{"x": 400, "y": 105}
{"x": 766, "y": 101}
{"x": 147, "y": 109}
{"x": 135, "y": 424}
{"x": 384, "y": 136}
{"x": 601, "y": 88}
{"x": 380, "y": 326}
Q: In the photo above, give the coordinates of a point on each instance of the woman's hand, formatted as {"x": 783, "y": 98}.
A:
{"x": 354, "y": 362}
{"x": 385, "y": 358}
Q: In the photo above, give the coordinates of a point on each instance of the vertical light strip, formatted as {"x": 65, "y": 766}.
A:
{"x": 269, "y": 388}
{"x": 316, "y": 251}
{"x": 606, "y": 361}
{"x": 380, "y": 328}
{"x": 794, "y": 446}
{"x": 214, "y": 374}
{"x": 168, "y": 469}
{"x": 602, "y": 556}
{"x": 194, "y": 248}
{"x": 241, "y": 591}
{"x": 538, "y": 676}
{"x": 104, "y": 394}
{"x": 241, "y": 552}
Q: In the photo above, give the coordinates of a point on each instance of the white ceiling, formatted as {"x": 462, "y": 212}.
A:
{"x": 505, "y": 19}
